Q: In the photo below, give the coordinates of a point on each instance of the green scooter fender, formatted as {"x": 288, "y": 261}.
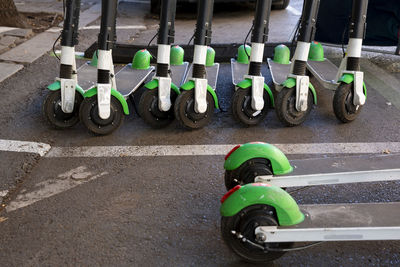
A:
{"x": 154, "y": 84}
{"x": 291, "y": 82}
{"x": 57, "y": 86}
{"x": 349, "y": 78}
{"x": 287, "y": 210}
{"x": 246, "y": 83}
{"x": 189, "y": 85}
{"x": 279, "y": 162}
{"x": 114, "y": 93}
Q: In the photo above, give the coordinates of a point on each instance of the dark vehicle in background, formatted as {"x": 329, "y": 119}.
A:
{"x": 156, "y": 4}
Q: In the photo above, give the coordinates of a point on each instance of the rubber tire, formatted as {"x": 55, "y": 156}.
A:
{"x": 285, "y": 104}
{"x": 238, "y": 100}
{"x": 342, "y": 94}
{"x": 246, "y": 173}
{"x": 85, "y": 113}
{"x": 52, "y": 100}
{"x": 284, "y": 5}
{"x": 260, "y": 214}
{"x": 145, "y": 104}
{"x": 180, "y": 110}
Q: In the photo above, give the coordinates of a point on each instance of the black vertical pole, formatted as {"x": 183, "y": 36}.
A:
{"x": 166, "y": 32}
{"x": 69, "y": 35}
{"x": 202, "y": 34}
{"x": 107, "y": 34}
{"x": 357, "y": 28}
{"x": 260, "y": 30}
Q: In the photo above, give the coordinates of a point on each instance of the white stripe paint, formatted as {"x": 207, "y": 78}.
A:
{"x": 23, "y": 146}
{"x": 189, "y": 150}
{"x": 48, "y": 188}
{"x": 293, "y": 11}
{"x": 203, "y": 150}
{"x": 123, "y": 27}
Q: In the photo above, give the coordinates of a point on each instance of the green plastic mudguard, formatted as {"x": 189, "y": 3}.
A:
{"x": 57, "y": 86}
{"x": 154, "y": 84}
{"x": 291, "y": 82}
{"x": 114, "y": 93}
{"x": 189, "y": 85}
{"x": 349, "y": 78}
{"x": 246, "y": 83}
{"x": 279, "y": 162}
{"x": 286, "y": 208}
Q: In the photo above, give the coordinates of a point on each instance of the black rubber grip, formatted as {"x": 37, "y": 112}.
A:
{"x": 65, "y": 71}
{"x": 299, "y": 67}
{"x": 255, "y": 68}
{"x": 199, "y": 71}
{"x": 353, "y": 63}
{"x": 162, "y": 70}
{"x": 103, "y": 76}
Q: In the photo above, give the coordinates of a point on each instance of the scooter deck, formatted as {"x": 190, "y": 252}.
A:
{"x": 87, "y": 76}
{"x": 238, "y": 71}
{"x": 178, "y": 73}
{"x": 212, "y": 74}
{"x": 350, "y": 215}
{"x": 279, "y": 72}
{"x": 324, "y": 71}
{"x": 129, "y": 80}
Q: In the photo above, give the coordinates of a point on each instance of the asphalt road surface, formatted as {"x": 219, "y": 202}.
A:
{"x": 151, "y": 210}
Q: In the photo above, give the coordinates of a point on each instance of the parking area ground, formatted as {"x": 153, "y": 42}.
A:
{"x": 151, "y": 197}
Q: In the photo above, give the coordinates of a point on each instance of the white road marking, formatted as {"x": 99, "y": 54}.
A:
{"x": 48, "y": 188}
{"x": 189, "y": 150}
{"x": 204, "y": 150}
{"x": 121, "y": 27}
{"x": 23, "y": 146}
{"x": 293, "y": 11}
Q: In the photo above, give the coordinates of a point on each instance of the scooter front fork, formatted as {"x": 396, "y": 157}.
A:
{"x": 68, "y": 78}
{"x": 163, "y": 77}
{"x": 105, "y": 81}
{"x": 200, "y": 82}
{"x": 297, "y": 71}
{"x": 257, "y": 80}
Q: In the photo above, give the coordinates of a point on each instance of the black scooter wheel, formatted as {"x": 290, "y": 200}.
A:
{"x": 89, "y": 114}
{"x": 151, "y": 114}
{"x": 247, "y": 172}
{"x": 55, "y": 116}
{"x": 242, "y": 110}
{"x": 285, "y": 107}
{"x": 187, "y": 116}
{"x": 245, "y": 222}
{"x": 343, "y": 106}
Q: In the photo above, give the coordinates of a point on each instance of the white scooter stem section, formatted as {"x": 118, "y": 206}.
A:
{"x": 257, "y": 82}
{"x": 301, "y": 53}
{"x": 104, "y": 89}
{"x": 274, "y": 234}
{"x": 354, "y": 47}
{"x": 164, "y": 83}
{"x": 330, "y": 178}
{"x": 68, "y": 85}
{"x": 200, "y": 84}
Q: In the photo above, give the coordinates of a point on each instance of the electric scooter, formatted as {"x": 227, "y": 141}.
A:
{"x": 252, "y": 97}
{"x": 104, "y": 107}
{"x": 296, "y": 94}
{"x": 61, "y": 106}
{"x": 261, "y": 221}
{"x": 347, "y": 80}
{"x": 156, "y": 103}
{"x": 194, "y": 107}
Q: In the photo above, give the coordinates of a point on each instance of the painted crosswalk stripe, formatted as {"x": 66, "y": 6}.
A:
{"x": 205, "y": 150}
{"x": 24, "y": 146}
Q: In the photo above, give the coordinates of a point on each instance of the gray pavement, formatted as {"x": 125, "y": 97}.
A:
{"x": 152, "y": 211}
